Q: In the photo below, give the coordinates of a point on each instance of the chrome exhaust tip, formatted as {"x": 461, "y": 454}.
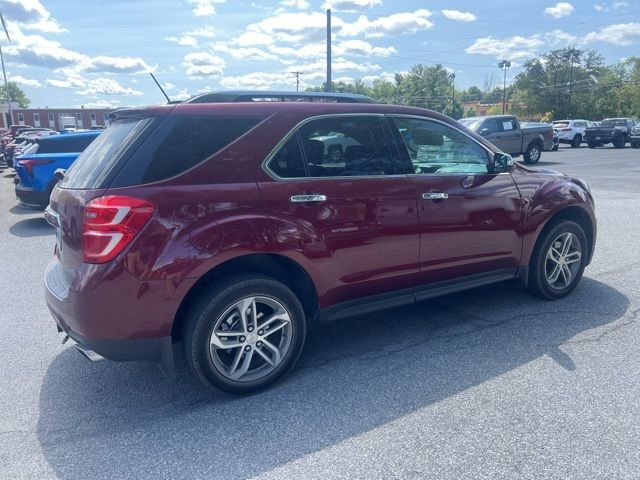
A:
{"x": 88, "y": 353}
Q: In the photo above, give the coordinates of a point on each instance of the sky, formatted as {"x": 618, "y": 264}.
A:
{"x": 94, "y": 53}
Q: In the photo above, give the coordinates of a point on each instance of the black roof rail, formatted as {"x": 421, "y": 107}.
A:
{"x": 270, "y": 96}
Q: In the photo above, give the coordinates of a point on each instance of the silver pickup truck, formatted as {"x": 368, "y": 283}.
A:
{"x": 505, "y": 132}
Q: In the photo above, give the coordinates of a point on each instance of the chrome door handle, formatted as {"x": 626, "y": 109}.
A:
{"x": 435, "y": 196}
{"x": 308, "y": 198}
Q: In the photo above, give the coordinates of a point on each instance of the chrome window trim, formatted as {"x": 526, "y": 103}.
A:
{"x": 429, "y": 119}
{"x": 294, "y": 130}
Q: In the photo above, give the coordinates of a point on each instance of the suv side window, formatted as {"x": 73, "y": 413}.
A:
{"x": 347, "y": 146}
{"x": 435, "y": 148}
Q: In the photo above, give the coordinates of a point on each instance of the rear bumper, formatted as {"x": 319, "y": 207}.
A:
{"x": 32, "y": 198}
{"x": 128, "y": 322}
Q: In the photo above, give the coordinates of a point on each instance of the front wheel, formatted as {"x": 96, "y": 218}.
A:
{"x": 558, "y": 260}
{"x": 577, "y": 140}
{"x": 532, "y": 155}
{"x": 245, "y": 334}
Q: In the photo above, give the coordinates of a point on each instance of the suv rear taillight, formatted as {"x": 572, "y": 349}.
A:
{"x": 29, "y": 163}
{"x": 110, "y": 223}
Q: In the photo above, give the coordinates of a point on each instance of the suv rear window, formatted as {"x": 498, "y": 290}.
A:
{"x": 179, "y": 143}
{"x": 65, "y": 145}
{"x": 94, "y": 164}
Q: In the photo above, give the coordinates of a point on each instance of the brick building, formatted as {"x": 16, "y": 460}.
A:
{"x": 50, "y": 117}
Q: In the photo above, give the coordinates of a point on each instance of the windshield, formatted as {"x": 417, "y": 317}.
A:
{"x": 614, "y": 122}
{"x": 94, "y": 164}
{"x": 471, "y": 123}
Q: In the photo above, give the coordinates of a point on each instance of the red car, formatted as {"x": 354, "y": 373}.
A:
{"x": 223, "y": 227}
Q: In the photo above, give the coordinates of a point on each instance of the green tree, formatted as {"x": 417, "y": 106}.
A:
{"x": 383, "y": 91}
{"x": 425, "y": 86}
{"x": 454, "y": 110}
{"x": 470, "y": 112}
{"x": 16, "y": 94}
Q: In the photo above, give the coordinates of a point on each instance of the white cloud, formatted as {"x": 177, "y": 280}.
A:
{"x": 244, "y": 53}
{"x": 459, "y": 16}
{"x": 106, "y": 86}
{"x": 360, "y": 47}
{"x": 296, "y": 27}
{"x": 29, "y": 14}
{"x": 254, "y": 38}
{"x": 513, "y": 47}
{"x": 102, "y": 104}
{"x": 258, "y": 81}
{"x": 204, "y": 32}
{"x": 561, "y": 9}
{"x": 301, "y": 4}
{"x": 350, "y": 5}
{"x": 204, "y": 7}
{"x": 106, "y": 64}
{"x": 395, "y": 24}
{"x": 182, "y": 95}
{"x": 168, "y": 86}
{"x": 184, "y": 40}
{"x": 203, "y": 64}
{"x": 27, "y": 82}
{"x": 618, "y": 34}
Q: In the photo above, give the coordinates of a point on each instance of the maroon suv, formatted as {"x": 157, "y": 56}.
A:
{"x": 229, "y": 227}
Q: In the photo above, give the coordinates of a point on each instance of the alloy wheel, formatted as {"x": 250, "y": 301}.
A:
{"x": 563, "y": 261}
{"x": 251, "y": 338}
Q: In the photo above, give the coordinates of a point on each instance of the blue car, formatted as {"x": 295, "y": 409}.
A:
{"x": 35, "y": 170}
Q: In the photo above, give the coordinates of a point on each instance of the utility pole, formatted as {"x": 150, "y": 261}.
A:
{"x": 328, "y": 87}
{"x": 504, "y": 65}
{"x": 453, "y": 89}
{"x": 297, "y": 74}
{"x": 4, "y": 73}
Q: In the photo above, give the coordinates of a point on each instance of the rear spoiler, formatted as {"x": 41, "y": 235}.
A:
{"x": 156, "y": 111}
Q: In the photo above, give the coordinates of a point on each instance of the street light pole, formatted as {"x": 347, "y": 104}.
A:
{"x": 504, "y": 65}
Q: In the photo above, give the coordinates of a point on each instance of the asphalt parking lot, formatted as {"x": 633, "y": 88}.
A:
{"x": 490, "y": 383}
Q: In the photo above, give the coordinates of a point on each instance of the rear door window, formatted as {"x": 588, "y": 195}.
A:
{"x": 66, "y": 145}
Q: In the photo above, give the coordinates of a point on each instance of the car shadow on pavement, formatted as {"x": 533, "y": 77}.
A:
{"x": 31, "y": 227}
{"x": 19, "y": 210}
{"x": 113, "y": 420}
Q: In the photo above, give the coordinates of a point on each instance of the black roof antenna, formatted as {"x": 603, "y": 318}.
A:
{"x": 160, "y": 87}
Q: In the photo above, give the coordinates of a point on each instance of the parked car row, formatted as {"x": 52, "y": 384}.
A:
{"x": 229, "y": 227}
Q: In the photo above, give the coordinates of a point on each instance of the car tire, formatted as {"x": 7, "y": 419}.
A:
{"x": 543, "y": 265}
{"x": 216, "y": 307}
{"x": 555, "y": 148}
{"x": 591, "y": 145}
{"x": 577, "y": 140}
{"x": 533, "y": 154}
{"x": 635, "y": 145}
{"x": 334, "y": 154}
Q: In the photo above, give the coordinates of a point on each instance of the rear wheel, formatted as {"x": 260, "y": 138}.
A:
{"x": 635, "y": 145}
{"x": 577, "y": 140}
{"x": 592, "y": 144}
{"x": 533, "y": 153}
{"x": 621, "y": 143}
{"x": 245, "y": 334}
{"x": 558, "y": 260}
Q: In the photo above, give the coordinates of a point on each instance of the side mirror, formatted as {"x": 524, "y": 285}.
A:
{"x": 59, "y": 173}
{"x": 502, "y": 162}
